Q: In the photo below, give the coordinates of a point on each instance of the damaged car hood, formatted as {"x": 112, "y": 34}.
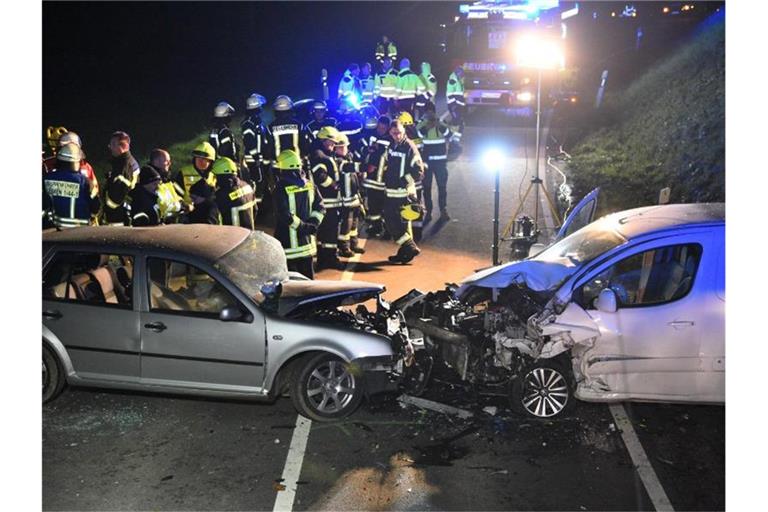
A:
{"x": 297, "y": 297}
{"x": 536, "y": 275}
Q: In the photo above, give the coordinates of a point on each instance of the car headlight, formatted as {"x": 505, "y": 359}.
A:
{"x": 524, "y": 96}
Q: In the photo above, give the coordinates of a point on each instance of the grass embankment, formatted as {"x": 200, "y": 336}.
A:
{"x": 667, "y": 129}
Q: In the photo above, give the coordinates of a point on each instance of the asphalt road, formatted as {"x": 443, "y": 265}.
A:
{"x": 129, "y": 451}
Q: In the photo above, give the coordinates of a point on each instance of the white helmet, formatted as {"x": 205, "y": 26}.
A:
{"x": 283, "y": 103}
{"x": 223, "y": 109}
{"x": 69, "y": 153}
{"x": 255, "y": 101}
{"x": 70, "y": 138}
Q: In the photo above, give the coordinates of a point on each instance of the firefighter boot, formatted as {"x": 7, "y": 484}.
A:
{"x": 326, "y": 258}
{"x": 405, "y": 253}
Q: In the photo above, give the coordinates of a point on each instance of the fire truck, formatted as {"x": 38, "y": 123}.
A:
{"x": 482, "y": 40}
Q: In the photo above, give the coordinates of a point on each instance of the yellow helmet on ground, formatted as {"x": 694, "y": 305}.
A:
{"x": 410, "y": 212}
{"x": 224, "y": 165}
{"x": 53, "y": 134}
{"x": 204, "y": 150}
{"x": 288, "y": 160}
{"x": 329, "y": 133}
{"x": 406, "y": 118}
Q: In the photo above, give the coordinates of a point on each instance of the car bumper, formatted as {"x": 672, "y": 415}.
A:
{"x": 378, "y": 373}
{"x": 497, "y": 98}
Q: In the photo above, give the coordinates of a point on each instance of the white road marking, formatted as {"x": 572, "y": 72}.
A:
{"x": 293, "y": 462}
{"x": 640, "y": 459}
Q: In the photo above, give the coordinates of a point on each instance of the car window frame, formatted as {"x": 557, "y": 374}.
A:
{"x": 50, "y": 257}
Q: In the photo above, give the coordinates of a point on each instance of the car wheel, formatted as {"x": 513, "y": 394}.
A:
{"x": 542, "y": 391}
{"x": 325, "y": 390}
{"x": 53, "y": 377}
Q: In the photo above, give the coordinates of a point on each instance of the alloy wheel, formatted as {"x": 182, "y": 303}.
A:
{"x": 330, "y": 387}
{"x": 545, "y": 392}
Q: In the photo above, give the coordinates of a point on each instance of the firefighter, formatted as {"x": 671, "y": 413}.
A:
{"x": 434, "y": 137}
{"x": 254, "y": 145}
{"x": 349, "y": 86}
{"x": 385, "y": 87}
{"x": 121, "y": 178}
{"x": 325, "y": 174}
{"x": 429, "y": 83}
{"x": 386, "y": 49}
{"x": 49, "y": 163}
{"x": 403, "y": 167}
{"x": 235, "y": 199}
{"x": 454, "y": 97}
{"x": 69, "y": 199}
{"x": 155, "y": 200}
{"x": 299, "y": 213}
{"x": 287, "y": 132}
{"x": 202, "y": 158}
{"x": 320, "y": 118}
{"x": 202, "y": 195}
{"x": 417, "y": 223}
{"x": 52, "y": 136}
{"x": 221, "y": 137}
{"x": 373, "y": 183}
{"x": 409, "y": 86}
{"x": 351, "y": 203}
{"x": 367, "y": 138}
{"x": 367, "y": 84}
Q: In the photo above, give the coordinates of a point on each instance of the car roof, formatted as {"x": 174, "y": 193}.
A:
{"x": 642, "y": 221}
{"x": 202, "y": 240}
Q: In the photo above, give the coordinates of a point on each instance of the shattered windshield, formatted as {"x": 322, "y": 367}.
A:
{"x": 258, "y": 260}
{"x": 583, "y": 246}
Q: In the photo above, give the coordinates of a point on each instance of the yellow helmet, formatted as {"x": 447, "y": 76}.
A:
{"x": 224, "y": 165}
{"x": 53, "y": 134}
{"x": 410, "y": 212}
{"x": 342, "y": 140}
{"x": 329, "y": 133}
{"x": 204, "y": 150}
{"x": 288, "y": 160}
{"x": 406, "y": 118}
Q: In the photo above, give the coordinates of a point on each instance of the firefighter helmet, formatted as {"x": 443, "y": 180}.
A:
{"x": 224, "y": 165}
{"x": 283, "y": 103}
{"x": 255, "y": 101}
{"x": 319, "y": 105}
{"x": 223, "y": 109}
{"x": 342, "y": 139}
{"x": 53, "y": 134}
{"x": 371, "y": 122}
{"x": 70, "y": 138}
{"x": 288, "y": 160}
{"x": 406, "y": 118}
{"x": 69, "y": 153}
{"x": 410, "y": 212}
{"x": 204, "y": 150}
{"x": 328, "y": 132}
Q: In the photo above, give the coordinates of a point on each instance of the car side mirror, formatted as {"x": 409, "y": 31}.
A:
{"x": 535, "y": 249}
{"x": 607, "y": 301}
{"x": 234, "y": 314}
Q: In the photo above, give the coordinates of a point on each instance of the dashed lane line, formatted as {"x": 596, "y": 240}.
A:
{"x": 640, "y": 459}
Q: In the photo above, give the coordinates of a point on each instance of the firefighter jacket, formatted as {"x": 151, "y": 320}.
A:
{"x": 385, "y": 85}
{"x": 223, "y": 141}
{"x": 454, "y": 90}
{"x": 429, "y": 82}
{"x": 377, "y": 164}
{"x": 203, "y": 198}
{"x": 367, "y": 89}
{"x": 366, "y": 144}
{"x": 325, "y": 174}
{"x": 235, "y": 201}
{"x": 145, "y": 206}
{"x": 69, "y": 199}
{"x": 49, "y": 164}
{"x": 349, "y": 183}
{"x": 348, "y": 85}
{"x": 403, "y": 169}
{"x": 299, "y": 212}
{"x": 434, "y": 141}
{"x": 254, "y": 141}
{"x": 287, "y": 133}
{"x": 386, "y": 50}
{"x": 314, "y": 125}
{"x": 185, "y": 179}
{"x": 352, "y": 128}
{"x": 122, "y": 177}
{"x": 408, "y": 85}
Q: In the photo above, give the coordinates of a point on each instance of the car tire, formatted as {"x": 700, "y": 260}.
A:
{"x": 542, "y": 391}
{"x": 324, "y": 390}
{"x": 53, "y": 376}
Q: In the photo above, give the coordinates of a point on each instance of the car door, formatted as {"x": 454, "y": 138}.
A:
{"x": 184, "y": 343}
{"x": 649, "y": 348}
{"x": 91, "y": 312}
{"x": 581, "y": 215}
{"x": 712, "y": 352}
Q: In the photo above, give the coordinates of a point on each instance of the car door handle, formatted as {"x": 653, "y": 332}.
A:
{"x": 52, "y": 314}
{"x": 679, "y": 324}
{"x": 156, "y": 326}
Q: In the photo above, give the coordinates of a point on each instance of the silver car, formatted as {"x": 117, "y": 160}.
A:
{"x": 210, "y": 310}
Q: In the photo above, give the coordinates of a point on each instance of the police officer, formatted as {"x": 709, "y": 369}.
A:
{"x": 385, "y": 87}
{"x": 121, "y": 178}
{"x": 429, "y": 83}
{"x": 367, "y": 84}
{"x": 373, "y": 182}
{"x": 325, "y": 174}
{"x": 254, "y": 144}
{"x": 69, "y": 200}
{"x": 221, "y": 137}
{"x": 202, "y": 158}
{"x": 403, "y": 168}
{"x": 287, "y": 132}
{"x": 434, "y": 137}
{"x": 351, "y": 204}
{"x": 235, "y": 199}
{"x": 454, "y": 97}
{"x": 386, "y": 49}
{"x": 155, "y": 200}
{"x": 320, "y": 118}
{"x": 299, "y": 212}
{"x": 409, "y": 86}
{"x": 349, "y": 86}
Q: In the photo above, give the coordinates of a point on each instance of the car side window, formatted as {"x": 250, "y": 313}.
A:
{"x": 181, "y": 288}
{"x": 653, "y": 277}
{"x": 92, "y": 278}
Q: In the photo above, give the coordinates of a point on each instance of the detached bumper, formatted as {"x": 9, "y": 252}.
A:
{"x": 378, "y": 373}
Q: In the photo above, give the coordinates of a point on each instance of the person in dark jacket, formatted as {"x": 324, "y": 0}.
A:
{"x": 235, "y": 199}
{"x": 121, "y": 178}
{"x": 221, "y": 137}
{"x": 351, "y": 204}
{"x": 255, "y": 147}
{"x": 325, "y": 175}
{"x": 69, "y": 199}
{"x": 155, "y": 199}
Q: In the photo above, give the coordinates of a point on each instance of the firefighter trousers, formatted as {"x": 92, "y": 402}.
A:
{"x": 438, "y": 169}
{"x": 328, "y": 234}
{"x": 302, "y": 266}
{"x": 348, "y": 223}
{"x": 399, "y": 228}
